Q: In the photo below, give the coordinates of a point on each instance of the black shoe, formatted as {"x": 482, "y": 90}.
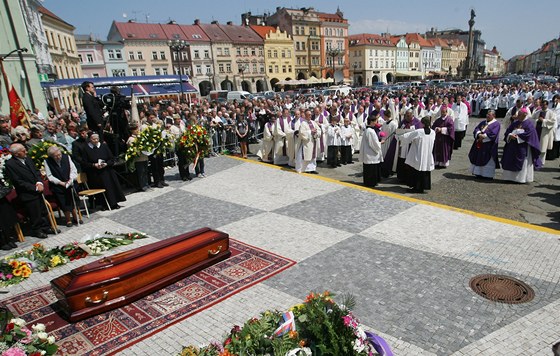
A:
{"x": 51, "y": 231}
{"x": 69, "y": 224}
{"x": 5, "y": 247}
{"x": 11, "y": 244}
{"x": 78, "y": 221}
{"x": 159, "y": 185}
{"x": 164, "y": 184}
{"x": 116, "y": 207}
{"x": 39, "y": 234}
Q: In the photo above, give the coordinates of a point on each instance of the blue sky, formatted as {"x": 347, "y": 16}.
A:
{"x": 514, "y": 27}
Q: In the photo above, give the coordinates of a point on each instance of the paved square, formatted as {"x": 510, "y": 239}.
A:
{"x": 416, "y": 296}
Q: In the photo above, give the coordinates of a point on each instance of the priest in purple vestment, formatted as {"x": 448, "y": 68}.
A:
{"x": 445, "y": 136}
{"x": 522, "y": 150}
{"x": 484, "y": 151}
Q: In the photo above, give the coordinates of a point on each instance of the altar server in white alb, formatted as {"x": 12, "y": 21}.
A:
{"x": 370, "y": 153}
{"x": 306, "y": 145}
{"x": 461, "y": 115}
{"x": 545, "y": 123}
{"x": 266, "y": 152}
{"x": 419, "y": 156}
{"x": 281, "y": 132}
{"x": 347, "y": 136}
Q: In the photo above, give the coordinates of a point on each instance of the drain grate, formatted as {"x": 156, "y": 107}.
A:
{"x": 502, "y": 289}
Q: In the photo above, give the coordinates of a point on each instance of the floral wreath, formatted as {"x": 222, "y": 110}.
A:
{"x": 150, "y": 141}
{"x": 194, "y": 143}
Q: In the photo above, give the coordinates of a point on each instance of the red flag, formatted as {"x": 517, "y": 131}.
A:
{"x": 18, "y": 113}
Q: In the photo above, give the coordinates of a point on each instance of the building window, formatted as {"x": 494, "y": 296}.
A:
{"x": 226, "y": 51}
{"x": 245, "y": 51}
{"x": 314, "y": 46}
{"x": 157, "y": 71}
{"x": 206, "y": 54}
{"x": 198, "y": 69}
{"x": 262, "y": 68}
{"x": 219, "y": 51}
{"x": 134, "y": 71}
{"x": 118, "y": 72}
{"x": 269, "y": 53}
{"x": 208, "y": 69}
{"x": 111, "y": 54}
{"x": 270, "y": 69}
{"x": 275, "y": 54}
{"x": 184, "y": 56}
{"x": 131, "y": 55}
{"x": 228, "y": 67}
{"x": 196, "y": 54}
{"x": 312, "y": 31}
{"x": 261, "y": 52}
{"x": 290, "y": 68}
{"x": 142, "y": 71}
{"x": 276, "y": 69}
{"x": 80, "y": 58}
{"x": 289, "y": 53}
{"x": 118, "y": 54}
{"x": 253, "y": 51}
{"x": 162, "y": 55}
{"x": 238, "y": 51}
{"x": 140, "y": 56}
{"x": 254, "y": 67}
{"x": 89, "y": 58}
{"x": 154, "y": 55}
{"x": 95, "y": 75}
{"x": 164, "y": 71}
{"x": 221, "y": 67}
{"x": 283, "y": 68}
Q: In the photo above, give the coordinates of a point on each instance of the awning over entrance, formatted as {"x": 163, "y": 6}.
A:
{"x": 141, "y": 85}
{"x": 408, "y": 73}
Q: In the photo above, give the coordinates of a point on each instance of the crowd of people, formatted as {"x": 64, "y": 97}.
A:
{"x": 407, "y": 133}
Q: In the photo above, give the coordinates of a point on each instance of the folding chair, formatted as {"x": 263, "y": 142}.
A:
{"x": 85, "y": 194}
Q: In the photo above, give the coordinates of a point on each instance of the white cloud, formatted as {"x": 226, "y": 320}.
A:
{"x": 382, "y": 26}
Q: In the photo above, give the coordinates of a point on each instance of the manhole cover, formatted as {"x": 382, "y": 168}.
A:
{"x": 502, "y": 289}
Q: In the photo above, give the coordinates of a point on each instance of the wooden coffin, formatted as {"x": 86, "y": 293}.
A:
{"x": 117, "y": 280}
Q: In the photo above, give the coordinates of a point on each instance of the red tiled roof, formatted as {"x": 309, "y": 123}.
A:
{"x": 416, "y": 37}
{"x": 263, "y": 30}
{"x": 47, "y": 12}
{"x": 194, "y": 33}
{"x": 140, "y": 31}
{"x": 440, "y": 42}
{"x": 240, "y": 34}
{"x": 214, "y": 32}
{"x": 370, "y": 39}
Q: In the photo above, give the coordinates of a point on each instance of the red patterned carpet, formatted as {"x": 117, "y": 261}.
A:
{"x": 116, "y": 330}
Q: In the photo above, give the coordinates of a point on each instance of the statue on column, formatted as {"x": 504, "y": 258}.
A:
{"x": 473, "y": 15}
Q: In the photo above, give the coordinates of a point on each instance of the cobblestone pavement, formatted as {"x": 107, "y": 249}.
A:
{"x": 408, "y": 262}
{"x": 535, "y": 203}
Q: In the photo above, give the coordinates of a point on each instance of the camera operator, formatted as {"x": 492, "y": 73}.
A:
{"x": 93, "y": 106}
{"x": 118, "y": 115}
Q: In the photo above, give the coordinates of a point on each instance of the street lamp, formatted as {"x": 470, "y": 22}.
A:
{"x": 18, "y": 50}
{"x": 333, "y": 52}
{"x": 242, "y": 70}
{"x": 178, "y": 46}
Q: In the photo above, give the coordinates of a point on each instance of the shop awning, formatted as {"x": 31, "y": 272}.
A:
{"x": 408, "y": 73}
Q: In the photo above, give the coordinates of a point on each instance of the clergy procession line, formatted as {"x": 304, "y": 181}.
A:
{"x": 407, "y": 132}
{"x": 412, "y": 135}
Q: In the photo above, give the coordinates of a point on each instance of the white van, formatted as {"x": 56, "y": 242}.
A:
{"x": 340, "y": 90}
{"x": 238, "y": 95}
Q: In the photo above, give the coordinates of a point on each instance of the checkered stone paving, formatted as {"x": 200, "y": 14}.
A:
{"x": 419, "y": 297}
{"x": 408, "y": 263}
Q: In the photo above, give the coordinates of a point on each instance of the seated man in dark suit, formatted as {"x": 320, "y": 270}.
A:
{"x": 29, "y": 187}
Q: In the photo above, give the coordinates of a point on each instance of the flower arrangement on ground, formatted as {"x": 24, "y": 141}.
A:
{"x": 4, "y": 156}
{"x": 194, "y": 143}
{"x": 17, "y": 267}
{"x": 38, "y": 153}
{"x": 14, "y": 272}
{"x": 150, "y": 141}
{"x": 319, "y": 326}
{"x": 16, "y": 339}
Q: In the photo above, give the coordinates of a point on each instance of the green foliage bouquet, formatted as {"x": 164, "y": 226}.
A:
{"x": 194, "y": 143}
{"x": 38, "y": 153}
